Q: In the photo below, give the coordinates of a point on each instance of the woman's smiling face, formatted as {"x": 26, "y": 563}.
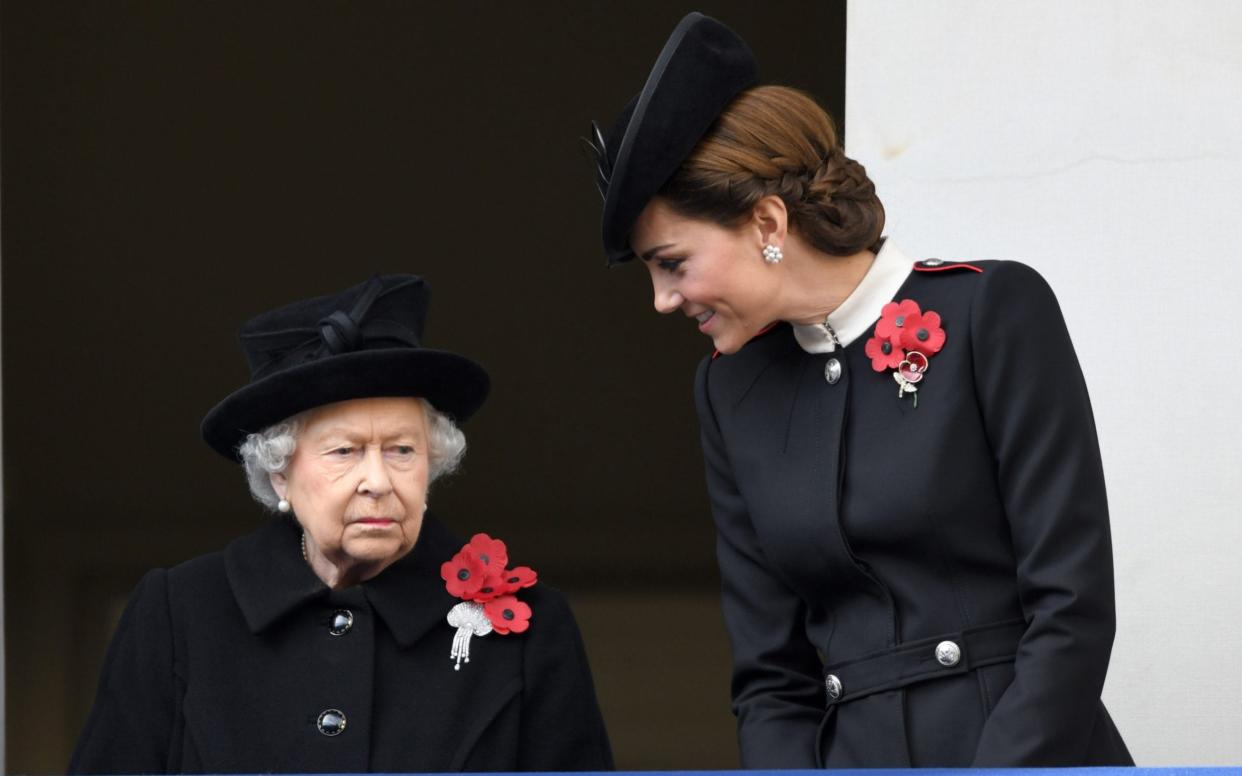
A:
{"x": 713, "y": 274}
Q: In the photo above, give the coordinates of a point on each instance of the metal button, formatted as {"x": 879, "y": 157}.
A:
{"x": 331, "y": 722}
{"x": 948, "y": 654}
{"x": 933, "y": 262}
{"x": 342, "y": 621}
{"x": 833, "y": 685}
{"x": 832, "y": 371}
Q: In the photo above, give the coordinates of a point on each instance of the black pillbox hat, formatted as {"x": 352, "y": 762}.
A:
{"x": 703, "y": 66}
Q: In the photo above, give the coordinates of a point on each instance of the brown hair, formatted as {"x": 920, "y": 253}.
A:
{"x": 778, "y": 140}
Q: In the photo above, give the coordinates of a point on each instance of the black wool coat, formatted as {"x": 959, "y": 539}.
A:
{"x": 857, "y": 533}
{"x": 225, "y": 663}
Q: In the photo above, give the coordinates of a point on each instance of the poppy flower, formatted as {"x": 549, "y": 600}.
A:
{"x": 513, "y": 580}
{"x": 507, "y": 615}
{"x": 492, "y": 553}
{"x": 493, "y": 587}
{"x": 910, "y": 372}
{"x": 894, "y": 317}
{"x": 463, "y": 575}
{"x": 883, "y": 352}
{"x": 922, "y": 332}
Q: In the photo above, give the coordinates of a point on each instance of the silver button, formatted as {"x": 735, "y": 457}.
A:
{"x": 342, "y": 621}
{"x": 933, "y": 262}
{"x": 948, "y": 654}
{"x": 833, "y": 685}
{"x": 832, "y": 371}
{"x": 331, "y": 722}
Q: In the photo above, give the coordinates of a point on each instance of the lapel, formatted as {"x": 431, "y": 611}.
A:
{"x": 409, "y": 595}
{"x": 789, "y": 423}
{"x": 270, "y": 579}
{"x": 787, "y": 426}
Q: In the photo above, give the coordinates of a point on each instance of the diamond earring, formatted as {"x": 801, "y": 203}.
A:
{"x": 772, "y": 254}
{"x": 283, "y": 505}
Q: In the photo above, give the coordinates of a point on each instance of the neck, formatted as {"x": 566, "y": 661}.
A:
{"x": 338, "y": 575}
{"x": 816, "y": 283}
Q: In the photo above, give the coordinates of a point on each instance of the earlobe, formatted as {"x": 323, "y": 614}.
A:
{"x": 280, "y": 484}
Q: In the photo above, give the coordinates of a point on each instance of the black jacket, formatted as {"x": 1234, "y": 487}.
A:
{"x": 857, "y": 532}
{"x": 225, "y": 663}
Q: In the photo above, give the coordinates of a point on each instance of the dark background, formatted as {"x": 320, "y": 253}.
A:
{"x": 172, "y": 168}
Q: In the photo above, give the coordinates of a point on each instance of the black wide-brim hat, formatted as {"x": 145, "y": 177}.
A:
{"x": 703, "y": 66}
{"x": 364, "y": 342}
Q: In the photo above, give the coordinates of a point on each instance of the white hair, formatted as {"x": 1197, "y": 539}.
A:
{"x": 267, "y": 452}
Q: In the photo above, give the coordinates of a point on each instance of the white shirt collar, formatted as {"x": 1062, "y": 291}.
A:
{"x": 861, "y": 308}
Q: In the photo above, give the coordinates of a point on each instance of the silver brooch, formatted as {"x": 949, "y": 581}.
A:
{"x": 469, "y": 620}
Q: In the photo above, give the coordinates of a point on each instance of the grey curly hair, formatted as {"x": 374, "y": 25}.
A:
{"x": 267, "y": 452}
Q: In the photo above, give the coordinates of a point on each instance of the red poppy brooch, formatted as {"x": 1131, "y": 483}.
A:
{"x": 479, "y": 575}
{"x": 905, "y": 338}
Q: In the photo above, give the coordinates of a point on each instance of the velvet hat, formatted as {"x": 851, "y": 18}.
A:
{"x": 363, "y": 342}
{"x": 703, "y": 66}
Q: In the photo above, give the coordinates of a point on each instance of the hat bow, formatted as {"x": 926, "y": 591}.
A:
{"x": 338, "y": 332}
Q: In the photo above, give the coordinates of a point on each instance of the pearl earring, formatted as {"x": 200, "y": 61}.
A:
{"x": 772, "y": 254}
{"x": 283, "y": 505}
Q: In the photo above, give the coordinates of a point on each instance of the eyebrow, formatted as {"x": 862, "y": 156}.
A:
{"x": 649, "y": 255}
{"x": 349, "y": 433}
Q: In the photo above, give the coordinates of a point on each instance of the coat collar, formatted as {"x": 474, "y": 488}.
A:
{"x": 269, "y": 579}
{"x": 861, "y": 308}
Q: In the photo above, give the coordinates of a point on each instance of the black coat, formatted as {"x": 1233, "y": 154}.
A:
{"x": 860, "y": 529}
{"x": 225, "y": 663}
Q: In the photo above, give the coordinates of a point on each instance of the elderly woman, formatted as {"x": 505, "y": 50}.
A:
{"x": 352, "y": 631}
{"x": 912, "y": 529}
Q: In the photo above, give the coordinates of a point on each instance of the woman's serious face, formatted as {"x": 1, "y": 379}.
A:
{"x": 357, "y": 482}
{"x": 713, "y": 274}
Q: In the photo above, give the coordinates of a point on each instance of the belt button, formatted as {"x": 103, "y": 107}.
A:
{"x": 342, "y": 621}
{"x": 833, "y": 685}
{"x": 832, "y": 371}
{"x": 331, "y": 722}
{"x": 948, "y": 654}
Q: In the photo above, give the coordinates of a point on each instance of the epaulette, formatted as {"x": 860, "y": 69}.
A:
{"x": 763, "y": 331}
{"x": 940, "y": 265}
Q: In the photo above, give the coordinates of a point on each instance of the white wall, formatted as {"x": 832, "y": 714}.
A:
{"x": 1098, "y": 141}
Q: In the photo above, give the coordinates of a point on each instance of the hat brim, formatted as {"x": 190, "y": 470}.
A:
{"x": 453, "y": 384}
{"x": 702, "y": 67}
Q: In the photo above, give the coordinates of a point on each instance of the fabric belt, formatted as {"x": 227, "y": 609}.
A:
{"x": 949, "y": 654}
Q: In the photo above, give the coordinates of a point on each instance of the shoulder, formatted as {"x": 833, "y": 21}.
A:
{"x": 553, "y": 636}
{"x": 984, "y": 272}
{"x": 976, "y": 284}
{"x": 198, "y": 577}
{"x": 154, "y": 593}
{"x": 1014, "y": 290}
{"x": 203, "y": 567}
{"x": 550, "y": 601}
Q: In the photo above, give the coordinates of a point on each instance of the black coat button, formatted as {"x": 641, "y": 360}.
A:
{"x": 342, "y": 621}
{"x": 331, "y": 722}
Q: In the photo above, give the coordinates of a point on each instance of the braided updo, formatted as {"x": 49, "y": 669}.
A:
{"x": 778, "y": 140}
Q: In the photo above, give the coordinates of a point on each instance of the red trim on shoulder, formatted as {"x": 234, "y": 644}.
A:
{"x": 763, "y": 331}
{"x": 942, "y": 267}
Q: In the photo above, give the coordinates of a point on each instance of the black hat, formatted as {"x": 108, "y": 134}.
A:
{"x": 703, "y": 66}
{"x": 363, "y": 342}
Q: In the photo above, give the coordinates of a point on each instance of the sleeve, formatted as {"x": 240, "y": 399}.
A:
{"x": 131, "y": 724}
{"x": 1038, "y": 418}
{"x": 562, "y": 728}
{"x": 778, "y": 695}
